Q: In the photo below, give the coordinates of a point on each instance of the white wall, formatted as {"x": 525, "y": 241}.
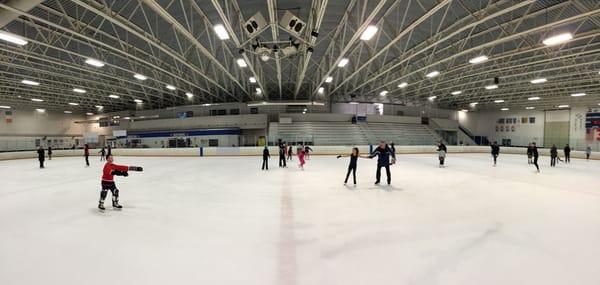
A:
{"x": 28, "y": 125}
{"x": 484, "y": 124}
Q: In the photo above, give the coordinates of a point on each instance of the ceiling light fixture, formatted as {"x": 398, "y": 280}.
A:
{"x": 321, "y": 90}
{"x": 221, "y": 32}
{"x": 114, "y": 96}
{"x": 491, "y": 87}
{"x": 431, "y": 98}
{"x": 563, "y": 106}
{"x": 140, "y": 77}
{"x": 258, "y": 91}
{"x": 79, "y": 90}
{"x": 578, "y": 94}
{"x": 37, "y": 100}
{"x": 402, "y": 85}
{"x": 252, "y": 80}
{"x": 241, "y": 62}
{"x": 433, "y": 74}
{"x": 138, "y": 101}
{"x": 68, "y": 112}
{"x": 41, "y": 110}
{"x": 343, "y": 62}
{"x": 12, "y": 38}
{"x": 369, "y": 32}
{"x": 504, "y": 109}
{"x": 30, "y": 82}
{"x": 478, "y": 59}
{"x": 4, "y": 107}
{"x": 329, "y": 79}
{"x": 499, "y": 101}
{"x": 171, "y": 87}
{"x": 189, "y": 95}
{"x": 533, "y": 98}
{"x": 456, "y": 92}
{"x": 383, "y": 93}
{"x": 538, "y": 80}
{"x": 94, "y": 62}
{"x": 558, "y": 39}
{"x": 529, "y": 108}
{"x": 73, "y": 104}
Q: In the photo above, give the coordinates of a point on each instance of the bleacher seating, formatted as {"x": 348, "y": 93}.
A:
{"x": 345, "y": 133}
{"x": 400, "y": 134}
{"x": 318, "y": 133}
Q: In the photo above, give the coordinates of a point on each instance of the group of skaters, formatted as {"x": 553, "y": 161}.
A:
{"x": 286, "y": 152}
{"x": 533, "y": 155}
{"x": 41, "y": 152}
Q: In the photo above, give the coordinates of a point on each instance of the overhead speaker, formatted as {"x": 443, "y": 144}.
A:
{"x": 255, "y": 24}
{"x": 496, "y": 80}
{"x": 292, "y": 23}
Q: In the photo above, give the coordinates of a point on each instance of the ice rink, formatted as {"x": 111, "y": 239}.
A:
{"x": 221, "y": 220}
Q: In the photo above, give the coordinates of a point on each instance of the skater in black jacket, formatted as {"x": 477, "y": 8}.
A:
{"x": 266, "y": 157}
{"x": 495, "y": 151}
{"x": 383, "y": 153}
{"x": 529, "y": 153}
{"x": 282, "y": 148}
{"x": 41, "y": 156}
{"x": 567, "y": 151}
{"x": 536, "y": 155}
{"x": 49, "y": 153}
{"x": 353, "y": 163}
{"x": 290, "y": 153}
{"x": 553, "y": 155}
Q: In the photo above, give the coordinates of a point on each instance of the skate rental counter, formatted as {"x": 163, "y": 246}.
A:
{"x": 257, "y": 151}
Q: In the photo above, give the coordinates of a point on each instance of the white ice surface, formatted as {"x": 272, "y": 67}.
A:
{"x": 223, "y": 221}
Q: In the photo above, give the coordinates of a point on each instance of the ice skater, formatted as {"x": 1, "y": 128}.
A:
{"x": 553, "y": 155}
{"x": 266, "y": 156}
{"x": 86, "y": 153}
{"x": 102, "y": 153}
{"x": 442, "y": 150}
{"x": 49, "y": 153}
{"x": 495, "y": 151}
{"x": 588, "y": 152}
{"x": 301, "y": 155}
{"x": 530, "y": 154}
{"x": 536, "y": 155}
{"x": 108, "y": 182}
{"x": 353, "y": 163}
{"x": 290, "y": 153}
{"x": 383, "y": 153}
{"x": 41, "y": 156}
{"x": 567, "y": 151}
{"x": 282, "y": 148}
{"x": 307, "y": 151}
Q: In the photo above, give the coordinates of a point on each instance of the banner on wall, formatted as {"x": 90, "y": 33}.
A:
{"x": 592, "y": 126}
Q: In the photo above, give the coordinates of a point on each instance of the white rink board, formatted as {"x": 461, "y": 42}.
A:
{"x": 220, "y": 220}
{"x": 257, "y": 151}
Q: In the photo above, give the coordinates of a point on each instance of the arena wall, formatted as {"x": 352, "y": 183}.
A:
{"x": 257, "y": 151}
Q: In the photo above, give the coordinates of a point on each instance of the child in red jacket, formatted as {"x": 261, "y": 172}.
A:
{"x": 108, "y": 183}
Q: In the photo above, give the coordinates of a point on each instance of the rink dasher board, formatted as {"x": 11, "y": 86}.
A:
{"x": 274, "y": 151}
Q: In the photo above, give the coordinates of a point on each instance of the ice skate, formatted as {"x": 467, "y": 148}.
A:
{"x": 116, "y": 205}
{"x": 101, "y": 206}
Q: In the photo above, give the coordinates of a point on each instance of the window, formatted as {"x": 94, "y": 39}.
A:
{"x": 254, "y": 110}
{"x": 532, "y": 120}
{"x": 221, "y": 112}
{"x": 234, "y": 112}
{"x": 213, "y": 142}
{"x": 213, "y": 112}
